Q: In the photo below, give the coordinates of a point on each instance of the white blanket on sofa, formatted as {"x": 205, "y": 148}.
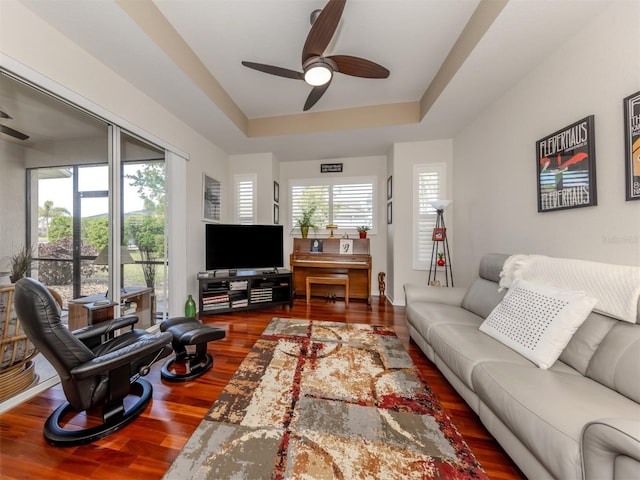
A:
{"x": 617, "y": 287}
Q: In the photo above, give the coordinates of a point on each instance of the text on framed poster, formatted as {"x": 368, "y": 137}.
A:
{"x": 566, "y": 163}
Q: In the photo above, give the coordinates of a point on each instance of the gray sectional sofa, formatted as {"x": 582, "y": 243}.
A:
{"x": 578, "y": 419}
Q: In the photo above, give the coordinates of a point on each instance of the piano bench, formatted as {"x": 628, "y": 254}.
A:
{"x": 336, "y": 279}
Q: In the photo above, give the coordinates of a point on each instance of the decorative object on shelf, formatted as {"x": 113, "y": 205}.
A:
{"x": 190, "y": 307}
{"x": 440, "y": 257}
{"x": 20, "y": 263}
{"x": 362, "y": 231}
{"x": 331, "y": 228}
{"x": 632, "y": 146}
{"x": 305, "y": 221}
{"x": 566, "y": 162}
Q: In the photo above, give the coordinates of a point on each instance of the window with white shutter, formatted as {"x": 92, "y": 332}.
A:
{"x": 245, "y": 198}
{"x": 428, "y": 185}
{"x": 345, "y": 202}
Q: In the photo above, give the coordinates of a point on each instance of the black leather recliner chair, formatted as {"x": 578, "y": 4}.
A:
{"x": 94, "y": 373}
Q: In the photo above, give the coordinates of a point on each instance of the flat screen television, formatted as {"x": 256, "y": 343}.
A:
{"x": 243, "y": 246}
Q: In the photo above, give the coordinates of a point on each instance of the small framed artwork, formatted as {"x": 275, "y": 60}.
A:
{"x": 632, "y": 145}
{"x": 210, "y": 199}
{"x": 276, "y": 192}
{"x": 566, "y": 163}
{"x": 439, "y": 234}
{"x": 389, "y": 187}
{"x": 389, "y": 213}
{"x": 346, "y": 246}
{"x": 276, "y": 214}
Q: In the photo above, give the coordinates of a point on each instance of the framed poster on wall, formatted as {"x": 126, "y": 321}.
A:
{"x": 566, "y": 163}
{"x": 632, "y": 145}
{"x": 210, "y": 199}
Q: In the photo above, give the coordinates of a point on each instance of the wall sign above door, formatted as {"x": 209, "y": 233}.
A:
{"x": 330, "y": 168}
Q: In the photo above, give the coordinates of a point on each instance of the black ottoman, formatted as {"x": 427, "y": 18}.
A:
{"x": 189, "y": 331}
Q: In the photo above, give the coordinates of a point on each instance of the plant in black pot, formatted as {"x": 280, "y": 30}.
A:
{"x": 20, "y": 263}
{"x": 305, "y": 221}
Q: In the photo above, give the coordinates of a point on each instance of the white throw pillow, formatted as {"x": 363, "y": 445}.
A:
{"x": 538, "y": 321}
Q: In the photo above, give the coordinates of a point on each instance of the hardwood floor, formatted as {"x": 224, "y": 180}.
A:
{"x": 146, "y": 448}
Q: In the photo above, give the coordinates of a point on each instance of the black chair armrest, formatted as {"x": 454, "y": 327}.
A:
{"x": 145, "y": 345}
{"x": 103, "y": 328}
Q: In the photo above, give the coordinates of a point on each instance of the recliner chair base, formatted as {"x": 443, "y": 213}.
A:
{"x": 115, "y": 417}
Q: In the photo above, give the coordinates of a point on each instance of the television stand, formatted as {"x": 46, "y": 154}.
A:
{"x": 247, "y": 290}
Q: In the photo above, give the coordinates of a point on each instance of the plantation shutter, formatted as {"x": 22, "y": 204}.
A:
{"x": 245, "y": 198}
{"x": 429, "y": 185}
{"x": 304, "y": 196}
{"x": 352, "y": 205}
{"x": 345, "y": 202}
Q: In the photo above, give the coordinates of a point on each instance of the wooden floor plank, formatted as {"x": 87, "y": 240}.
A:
{"x": 145, "y": 449}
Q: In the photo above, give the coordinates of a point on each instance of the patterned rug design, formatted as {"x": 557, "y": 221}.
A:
{"x": 326, "y": 400}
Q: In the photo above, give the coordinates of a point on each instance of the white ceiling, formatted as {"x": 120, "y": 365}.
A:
{"x": 411, "y": 38}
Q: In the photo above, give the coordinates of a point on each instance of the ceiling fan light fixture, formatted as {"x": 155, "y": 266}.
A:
{"x": 317, "y": 74}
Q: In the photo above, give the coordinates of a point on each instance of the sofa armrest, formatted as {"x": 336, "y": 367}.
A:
{"x": 611, "y": 449}
{"x": 426, "y": 293}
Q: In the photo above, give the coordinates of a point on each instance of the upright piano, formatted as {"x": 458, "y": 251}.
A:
{"x": 350, "y": 257}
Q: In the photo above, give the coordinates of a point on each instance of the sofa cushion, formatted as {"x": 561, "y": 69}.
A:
{"x": 463, "y": 347}
{"x": 424, "y": 316}
{"x": 547, "y": 409}
{"x": 617, "y": 360}
{"x": 586, "y": 340}
{"x": 538, "y": 321}
{"x": 482, "y": 297}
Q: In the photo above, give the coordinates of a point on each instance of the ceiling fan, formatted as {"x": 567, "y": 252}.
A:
{"x": 318, "y": 70}
{"x": 8, "y": 130}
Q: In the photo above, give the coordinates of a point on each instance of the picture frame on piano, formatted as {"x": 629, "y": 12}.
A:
{"x": 346, "y": 246}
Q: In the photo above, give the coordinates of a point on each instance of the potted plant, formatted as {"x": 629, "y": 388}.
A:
{"x": 305, "y": 221}
{"x": 362, "y": 231}
{"x": 20, "y": 263}
{"x": 441, "y": 261}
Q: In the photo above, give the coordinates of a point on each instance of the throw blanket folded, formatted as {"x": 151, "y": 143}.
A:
{"x": 617, "y": 287}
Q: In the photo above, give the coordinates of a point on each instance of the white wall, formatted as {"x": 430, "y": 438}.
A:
{"x": 22, "y": 37}
{"x": 263, "y": 166}
{"x": 495, "y": 164}
{"x": 405, "y": 156}
{"x": 375, "y": 166}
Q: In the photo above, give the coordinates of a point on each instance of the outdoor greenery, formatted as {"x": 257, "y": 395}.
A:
{"x": 144, "y": 230}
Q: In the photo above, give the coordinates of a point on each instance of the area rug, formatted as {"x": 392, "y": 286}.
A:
{"x": 326, "y": 400}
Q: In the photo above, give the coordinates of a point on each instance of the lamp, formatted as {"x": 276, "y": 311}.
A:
{"x": 440, "y": 235}
{"x": 103, "y": 256}
{"x": 318, "y": 71}
{"x": 103, "y": 259}
{"x": 331, "y": 228}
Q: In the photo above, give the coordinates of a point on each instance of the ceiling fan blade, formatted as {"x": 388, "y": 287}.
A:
{"x": 315, "y": 95}
{"x": 323, "y": 29}
{"x": 359, "y": 67}
{"x": 278, "y": 71}
{"x": 4, "y": 114}
{"x": 13, "y": 133}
